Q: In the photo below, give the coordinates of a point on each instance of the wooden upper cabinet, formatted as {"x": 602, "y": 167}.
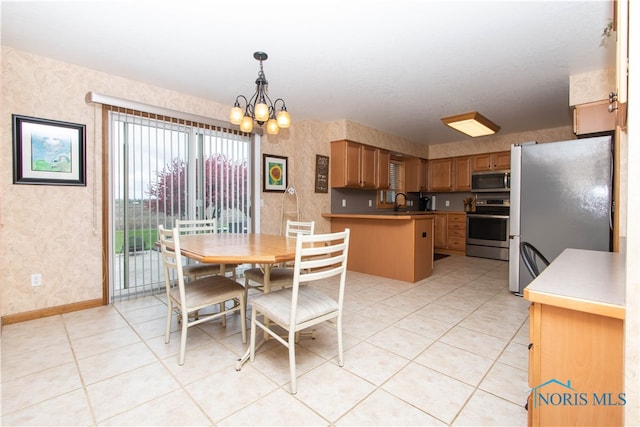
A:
{"x": 382, "y": 164}
{"x": 440, "y": 174}
{"x": 416, "y": 176}
{"x": 593, "y": 117}
{"x": 462, "y": 173}
{"x": 450, "y": 174}
{"x": 502, "y": 160}
{"x": 345, "y": 164}
{"x": 358, "y": 165}
{"x": 492, "y": 161}
{"x": 367, "y": 167}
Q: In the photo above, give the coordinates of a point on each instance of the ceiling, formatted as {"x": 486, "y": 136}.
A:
{"x": 397, "y": 65}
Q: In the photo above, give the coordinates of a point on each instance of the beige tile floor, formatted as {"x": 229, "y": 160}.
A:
{"x": 448, "y": 350}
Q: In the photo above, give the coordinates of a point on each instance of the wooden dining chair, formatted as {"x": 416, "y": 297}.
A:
{"x": 318, "y": 257}
{"x": 215, "y": 291}
{"x": 195, "y": 270}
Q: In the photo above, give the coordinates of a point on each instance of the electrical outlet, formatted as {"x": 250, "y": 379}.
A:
{"x": 344, "y": 203}
{"x": 36, "y": 279}
{"x": 446, "y": 203}
{"x": 370, "y": 203}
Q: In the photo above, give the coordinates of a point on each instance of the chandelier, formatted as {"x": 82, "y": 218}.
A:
{"x": 259, "y": 107}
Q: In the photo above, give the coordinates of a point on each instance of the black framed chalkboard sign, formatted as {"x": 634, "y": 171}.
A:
{"x": 322, "y": 174}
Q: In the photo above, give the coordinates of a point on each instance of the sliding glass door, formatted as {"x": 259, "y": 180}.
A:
{"x": 163, "y": 169}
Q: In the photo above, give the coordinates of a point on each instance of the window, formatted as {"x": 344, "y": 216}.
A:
{"x": 386, "y": 198}
{"x": 162, "y": 169}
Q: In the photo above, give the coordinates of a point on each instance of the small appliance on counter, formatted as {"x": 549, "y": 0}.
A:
{"x": 428, "y": 203}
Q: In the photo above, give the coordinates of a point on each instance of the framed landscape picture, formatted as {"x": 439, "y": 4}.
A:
{"x": 48, "y": 152}
{"x": 275, "y": 173}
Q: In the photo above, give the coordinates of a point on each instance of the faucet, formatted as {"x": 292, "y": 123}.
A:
{"x": 395, "y": 203}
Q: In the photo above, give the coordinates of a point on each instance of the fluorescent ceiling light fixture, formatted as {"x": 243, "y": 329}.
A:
{"x": 473, "y": 124}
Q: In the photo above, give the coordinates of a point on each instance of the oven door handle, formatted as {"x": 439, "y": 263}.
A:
{"x": 487, "y": 216}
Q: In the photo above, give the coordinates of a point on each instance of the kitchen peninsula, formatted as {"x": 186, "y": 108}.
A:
{"x": 396, "y": 245}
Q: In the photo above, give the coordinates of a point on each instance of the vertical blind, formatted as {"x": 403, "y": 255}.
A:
{"x": 163, "y": 169}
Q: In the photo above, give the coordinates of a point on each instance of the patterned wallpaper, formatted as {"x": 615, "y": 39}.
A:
{"x": 592, "y": 86}
{"x": 57, "y": 231}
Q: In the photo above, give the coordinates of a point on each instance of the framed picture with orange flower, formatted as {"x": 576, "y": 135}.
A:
{"x": 275, "y": 173}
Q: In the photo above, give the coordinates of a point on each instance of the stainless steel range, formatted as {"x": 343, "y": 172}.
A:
{"x": 488, "y": 227}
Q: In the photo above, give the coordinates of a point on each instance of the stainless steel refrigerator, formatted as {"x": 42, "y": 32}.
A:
{"x": 561, "y": 197}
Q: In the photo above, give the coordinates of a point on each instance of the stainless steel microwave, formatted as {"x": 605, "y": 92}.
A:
{"x": 491, "y": 181}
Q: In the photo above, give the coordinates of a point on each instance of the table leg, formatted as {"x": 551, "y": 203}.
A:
{"x": 267, "y": 278}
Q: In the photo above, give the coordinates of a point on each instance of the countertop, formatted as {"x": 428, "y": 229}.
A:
{"x": 382, "y": 215}
{"x": 583, "y": 280}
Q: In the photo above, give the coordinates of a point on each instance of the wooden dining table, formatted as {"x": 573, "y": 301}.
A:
{"x": 242, "y": 248}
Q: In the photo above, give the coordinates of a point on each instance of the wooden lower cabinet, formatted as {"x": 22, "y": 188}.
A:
{"x": 441, "y": 232}
{"x": 457, "y": 224}
{"x": 450, "y": 232}
{"x": 575, "y": 368}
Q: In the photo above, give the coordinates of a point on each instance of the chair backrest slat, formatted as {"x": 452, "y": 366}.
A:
{"x": 197, "y": 226}
{"x": 299, "y": 227}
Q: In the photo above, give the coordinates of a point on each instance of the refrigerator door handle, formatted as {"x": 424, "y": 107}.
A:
{"x": 514, "y": 264}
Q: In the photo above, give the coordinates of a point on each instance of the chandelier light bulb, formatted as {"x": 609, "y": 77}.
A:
{"x": 236, "y": 115}
{"x": 247, "y": 124}
{"x": 272, "y": 127}
{"x": 261, "y": 112}
{"x": 284, "y": 120}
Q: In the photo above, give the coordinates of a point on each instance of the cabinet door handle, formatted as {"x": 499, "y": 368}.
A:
{"x": 530, "y": 345}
